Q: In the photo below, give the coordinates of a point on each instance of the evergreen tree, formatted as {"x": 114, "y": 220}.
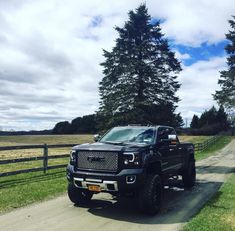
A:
{"x": 85, "y": 124}
{"x": 208, "y": 117}
{"x": 226, "y": 96}
{"x": 139, "y": 75}
{"x": 222, "y": 118}
{"x": 195, "y": 122}
{"x": 63, "y": 127}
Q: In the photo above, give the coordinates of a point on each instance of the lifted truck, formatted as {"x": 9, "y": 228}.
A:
{"x": 128, "y": 160}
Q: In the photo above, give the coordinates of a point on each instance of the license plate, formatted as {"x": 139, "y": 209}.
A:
{"x": 94, "y": 188}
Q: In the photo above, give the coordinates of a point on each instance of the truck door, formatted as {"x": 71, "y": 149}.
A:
{"x": 168, "y": 151}
{"x": 175, "y": 147}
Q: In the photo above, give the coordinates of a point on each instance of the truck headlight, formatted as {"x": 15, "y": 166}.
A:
{"x": 73, "y": 157}
{"x": 131, "y": 158}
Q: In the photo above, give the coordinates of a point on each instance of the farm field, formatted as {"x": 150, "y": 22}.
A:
{"x": 37, "y": 139}
{"x": 40, "y": 139}
{"x": 59, "y": 139}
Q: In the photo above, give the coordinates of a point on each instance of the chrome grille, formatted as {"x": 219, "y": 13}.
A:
{"x": 107, "y": 161}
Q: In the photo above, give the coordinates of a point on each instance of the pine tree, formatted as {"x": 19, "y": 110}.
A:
{"x": 139, "y": 74}
{"x": 226, "y": 96}
{"x": 208, "y": 117}
{"x": 195, "y": 122}
{"x": 222, "y": 118}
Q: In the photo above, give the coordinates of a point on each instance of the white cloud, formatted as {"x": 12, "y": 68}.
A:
{"x": 51, "y": 50}
{"x": 191, "y": 22}
{"x": 199, "y": 82}
{"x": 181, "y": 56}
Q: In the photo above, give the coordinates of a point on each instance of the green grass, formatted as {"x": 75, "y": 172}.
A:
{"x": 24, "y": 189}
{"x": 222, "y": 142}
{"x": 219, "y": 213}
{"x": 194, "y": 139}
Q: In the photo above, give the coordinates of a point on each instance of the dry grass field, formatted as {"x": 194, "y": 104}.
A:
{"x": 58, "y": 139}
{"x": 40, "y": 139}
{"x": 51, "y": 139}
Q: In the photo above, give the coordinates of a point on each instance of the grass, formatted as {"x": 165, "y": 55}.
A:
{"x": 194, "y": 139}
{"x": 40, "y": 139}
{"x": 24, "y": 189}
{"x": 220, "y": 143}
{"x": 219, "y": 212}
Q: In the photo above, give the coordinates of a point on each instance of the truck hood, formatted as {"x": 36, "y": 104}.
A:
{"x": 99, "y": 146}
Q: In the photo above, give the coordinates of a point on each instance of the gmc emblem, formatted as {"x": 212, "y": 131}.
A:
{"x": 95, "y": 159}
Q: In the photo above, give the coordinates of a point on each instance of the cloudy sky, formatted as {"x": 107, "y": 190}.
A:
{"x": 50, "y": 52}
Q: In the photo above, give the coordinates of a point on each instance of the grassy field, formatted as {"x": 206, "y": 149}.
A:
{"x": 48, "y": 139}
{"x": 194, "y": 139}
{"x": 52, "y": 139}
{"x": 37, "y": 139}
{"x": 220, "y": 143}
{"x": 23, "y": 189}
{"x": 219, "y": 212}
{"x": 58, "y": 139}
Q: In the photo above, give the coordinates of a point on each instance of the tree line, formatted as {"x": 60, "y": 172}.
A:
{"x": 210, "y": 122}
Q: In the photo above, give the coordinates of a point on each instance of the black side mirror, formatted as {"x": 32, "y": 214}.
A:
{"x": 96, "y": 137}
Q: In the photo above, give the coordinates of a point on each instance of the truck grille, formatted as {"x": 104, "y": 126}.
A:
{"x": 107, "y": 161}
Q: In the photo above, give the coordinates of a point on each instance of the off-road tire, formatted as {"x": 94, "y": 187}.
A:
{"x": 189, "y": 175}
{"x": 79, "y": 196}
{"x": 150, "y": 196}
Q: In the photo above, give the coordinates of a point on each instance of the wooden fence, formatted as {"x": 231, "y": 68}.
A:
{"x": 44, "y": 158}
{"x": 206, "y": 144}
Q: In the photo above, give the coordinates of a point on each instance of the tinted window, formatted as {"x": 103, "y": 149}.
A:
{"x": 163, "y": 132}
{"x": 130, "y": 135}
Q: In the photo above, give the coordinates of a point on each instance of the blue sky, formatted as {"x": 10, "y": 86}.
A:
{"x": 204, "y": 52}
{"x": 51, "y": 51}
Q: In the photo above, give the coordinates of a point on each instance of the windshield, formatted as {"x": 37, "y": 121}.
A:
{"x": 129, "y": 135}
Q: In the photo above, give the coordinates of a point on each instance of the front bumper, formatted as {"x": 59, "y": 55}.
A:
{"x": 126, "y": 180}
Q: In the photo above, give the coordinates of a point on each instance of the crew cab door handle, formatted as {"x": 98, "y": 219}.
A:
{"x": 171, "y": 149}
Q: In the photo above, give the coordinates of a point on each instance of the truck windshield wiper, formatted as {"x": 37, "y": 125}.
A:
{"x": 112, "y": 142}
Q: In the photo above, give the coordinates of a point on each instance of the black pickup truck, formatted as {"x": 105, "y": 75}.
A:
{"x": 136, "y": 160}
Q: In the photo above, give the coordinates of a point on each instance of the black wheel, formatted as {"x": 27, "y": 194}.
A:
{"x": 79, "y": 196}
{"x": 150, "y": 197}
{"x": 189, "y": 175}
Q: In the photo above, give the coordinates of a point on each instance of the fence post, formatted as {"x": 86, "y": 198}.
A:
{"x": 45, "y": 159}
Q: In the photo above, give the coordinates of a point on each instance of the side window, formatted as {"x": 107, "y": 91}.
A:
{"x": 172, "y": 131}
{"x": 164, "y": 132}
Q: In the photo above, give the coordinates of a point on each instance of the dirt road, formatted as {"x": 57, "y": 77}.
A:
{"x": 110, "y": 215}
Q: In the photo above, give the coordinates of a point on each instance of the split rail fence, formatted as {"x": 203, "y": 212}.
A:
{"x": 206, "y": 144}
{"x": 45, "y": 157}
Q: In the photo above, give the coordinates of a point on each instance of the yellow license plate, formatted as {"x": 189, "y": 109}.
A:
{"x": 94, "y": 188}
